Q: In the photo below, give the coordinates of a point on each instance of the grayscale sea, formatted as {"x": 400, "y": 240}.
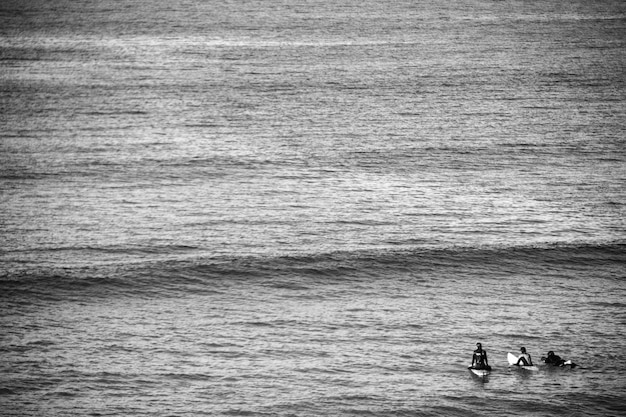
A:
{"x": 311, "y": 207}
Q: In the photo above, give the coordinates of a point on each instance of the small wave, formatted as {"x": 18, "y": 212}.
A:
{"x": 297, "y": 273}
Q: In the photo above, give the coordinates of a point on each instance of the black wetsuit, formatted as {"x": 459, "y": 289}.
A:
{"x": 554, "y": 360}
{"x": 480, "y": 359}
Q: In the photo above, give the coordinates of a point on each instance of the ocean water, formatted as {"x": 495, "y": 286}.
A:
{"x": 311, "y": 208}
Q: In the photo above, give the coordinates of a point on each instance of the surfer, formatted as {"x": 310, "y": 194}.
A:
{"x": 524, "y": 358}
{"x": 479, "y": 359}
{"x": 554, "y": 360}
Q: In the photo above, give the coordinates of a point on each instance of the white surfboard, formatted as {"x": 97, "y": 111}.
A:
{"x": 513, "y": 362}
{"x": 480, "y": 372}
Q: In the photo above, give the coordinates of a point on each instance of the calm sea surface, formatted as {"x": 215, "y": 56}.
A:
{"x": 311, "y": 208}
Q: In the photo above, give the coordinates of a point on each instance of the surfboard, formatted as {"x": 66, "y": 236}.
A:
{"x": 513, "y": 362}
{"x": 480, "y": 372}
{"x": 568, "y": 363}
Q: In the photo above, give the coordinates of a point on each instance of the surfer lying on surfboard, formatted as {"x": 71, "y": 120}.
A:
{"x": 479, "y": 358}
{"x": 524, "y": 358}
{"x": 555, "y": 360}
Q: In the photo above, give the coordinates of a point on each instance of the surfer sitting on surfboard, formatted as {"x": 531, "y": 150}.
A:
{"x": 524, "y": 358}
{"x": 479, "y": 359}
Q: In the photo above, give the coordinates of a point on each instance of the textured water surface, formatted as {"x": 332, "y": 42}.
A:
{"x": 309, "y": 208}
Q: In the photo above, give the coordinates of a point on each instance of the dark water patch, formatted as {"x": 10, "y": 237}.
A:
{"x": 115, "y": 113}
{"x": 62, "y": 394}
{"x": 294, "y": 286}
{"x": 42, "y": 53}
{"x": 187, "y": 376}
